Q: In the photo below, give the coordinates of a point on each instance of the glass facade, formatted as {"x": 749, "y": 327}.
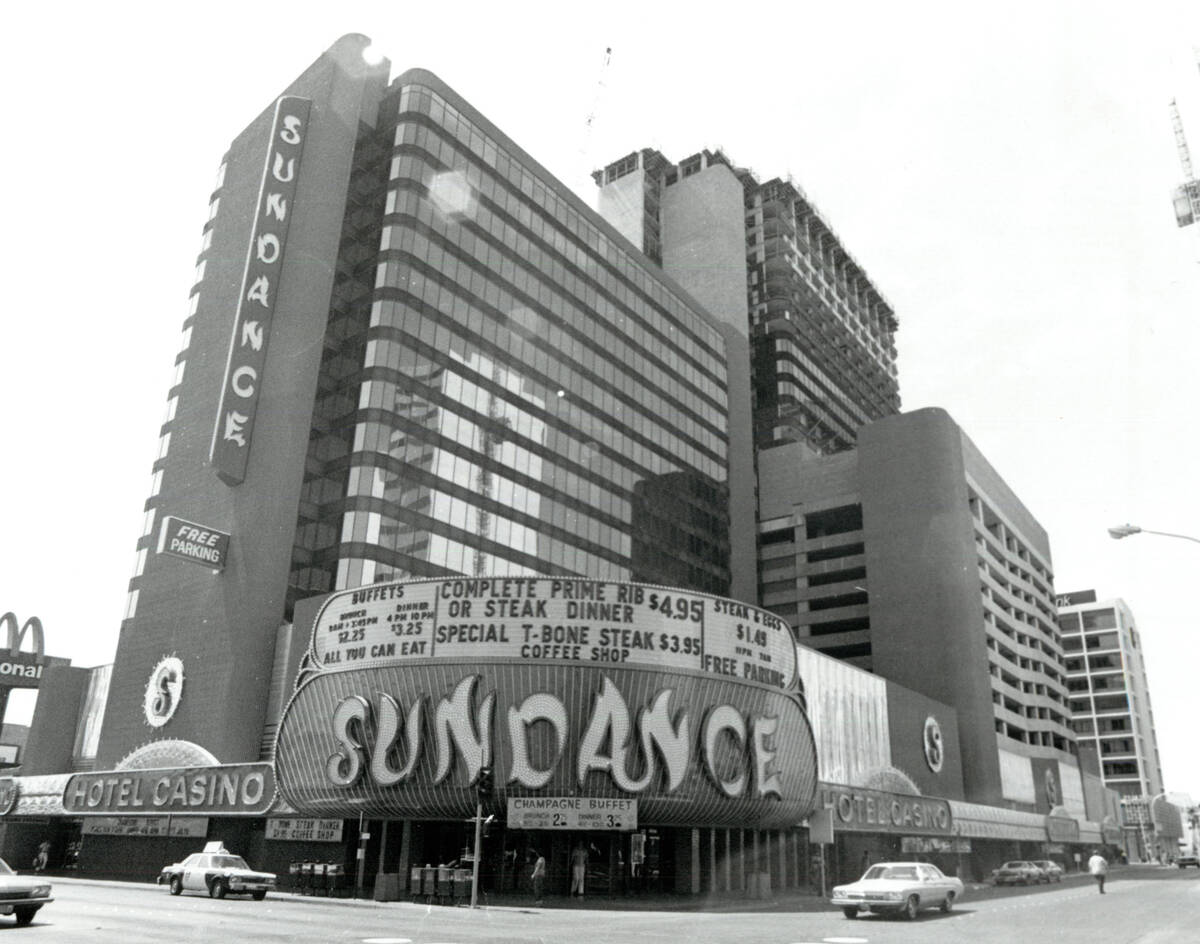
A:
{"x": 506, "y": 389}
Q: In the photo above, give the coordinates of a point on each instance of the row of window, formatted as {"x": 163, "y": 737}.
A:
{"x": 518, "y": 261}
{"x": 800, "y": 381}
{"x": 586, "y": 237}
{"x": 644, "y": 413}
{"x": 823, "y": 247}
{"x": 565, "y": 419}
{"x": 422, "y": 534}
{"x": 393, "y": 487}
{"x": 430, "y": 424}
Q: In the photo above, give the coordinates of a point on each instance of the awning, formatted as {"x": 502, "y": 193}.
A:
{"x": 976, "y": 821}
{"x": 1089, "y": 832}
{"x": 39, "y": 796}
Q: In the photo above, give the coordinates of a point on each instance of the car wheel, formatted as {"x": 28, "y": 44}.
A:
{"x": 911, "y": 907}
{"x": 850, "y": 912}
{"x": 24, "y": 915}
{"x": 176, "y": 885}
{"x": 258, "y": 896}
{"x": 948, "y": 903}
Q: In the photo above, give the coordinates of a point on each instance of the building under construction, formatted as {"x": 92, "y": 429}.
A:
{"x": 822, "y": 336}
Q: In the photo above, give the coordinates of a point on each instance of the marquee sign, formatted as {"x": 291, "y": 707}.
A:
{"x": 259, "y": 291}
{"x": 305, "y": 830}
{"x": 225, "y": 790}
{"x": 571, "y": 813}
{"x": 682, "y": 702}
{"x": 545, "y": 620}
{"x": 195, "y": 827}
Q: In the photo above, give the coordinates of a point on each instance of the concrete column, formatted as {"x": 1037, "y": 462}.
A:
{"x": 406, "y": 853}
{"x": 696, "y": 884}
{"x": 712, "y": 861}
{"x": 726, "y": 864}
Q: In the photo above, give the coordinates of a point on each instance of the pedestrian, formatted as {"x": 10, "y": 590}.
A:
{"x": 42, "y": 859}
{"x": 579, "y": 860}
{"x": 1098, "y": 866}
{"x": 538, "y": 877}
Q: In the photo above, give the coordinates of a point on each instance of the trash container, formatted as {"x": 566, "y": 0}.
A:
{"x": 445, "y": 885}
{"x": 414, "y": 882}
{"x": 462, "y": 886}
{"x": 335, "y": 880}
{"x": 428, "y": 883}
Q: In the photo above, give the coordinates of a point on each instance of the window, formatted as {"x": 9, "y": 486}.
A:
{"x": 1100, "y": 619}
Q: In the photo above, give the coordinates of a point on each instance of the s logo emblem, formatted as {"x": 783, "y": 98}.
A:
{"x": 163, "y": 691}
{"x": 934, "y": 750}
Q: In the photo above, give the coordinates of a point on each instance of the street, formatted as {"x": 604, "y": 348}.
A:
{"x": 1142, "y": 906}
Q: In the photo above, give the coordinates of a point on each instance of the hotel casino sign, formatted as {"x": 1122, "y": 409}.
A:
{"x": 686, "y": 702}
{"x": 857, "y": 809}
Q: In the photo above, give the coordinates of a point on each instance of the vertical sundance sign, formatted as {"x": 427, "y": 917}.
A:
{"x": 260, "y": 288}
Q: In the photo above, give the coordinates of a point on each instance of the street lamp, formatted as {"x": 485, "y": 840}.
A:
{"x": 1125, "y": 530}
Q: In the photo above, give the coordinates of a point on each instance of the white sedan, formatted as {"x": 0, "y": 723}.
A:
{"x": 22, "y": 895}
{"x": 903, "y": 887}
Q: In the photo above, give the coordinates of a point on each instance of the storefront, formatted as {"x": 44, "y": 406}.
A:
{"x": 997, "y": 835}
{"x": 876, "y": 826}
{"x": 653, "y": 739}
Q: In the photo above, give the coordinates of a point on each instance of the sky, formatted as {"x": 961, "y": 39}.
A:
{"x": 1003, "y": 175}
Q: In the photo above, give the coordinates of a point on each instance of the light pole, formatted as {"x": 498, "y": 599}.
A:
{"x": 1125, "y": 530}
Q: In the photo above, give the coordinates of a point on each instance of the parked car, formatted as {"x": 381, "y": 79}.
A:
{"x": 898, "y": 888}
{"x": 1185, "y": 860}
{"x": 216, "y": 871}
{"x": 22, "y": 895}
{"x": 1019, "y": 872}
{"x": 1054, "y": 871}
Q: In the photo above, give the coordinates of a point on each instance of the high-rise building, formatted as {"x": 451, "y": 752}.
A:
{"x": 822, "y": 335}
{"x": 454, "y": 512}
{"x": 910, "y": 556}
{"x": 409, "y": 352}
{"x": 1109, "y": 694}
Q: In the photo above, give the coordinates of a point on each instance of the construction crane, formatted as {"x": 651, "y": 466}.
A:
{"x": 585, "y": 149}
{"x": 599, "y": 87}
{"x": 1187, "y": 195}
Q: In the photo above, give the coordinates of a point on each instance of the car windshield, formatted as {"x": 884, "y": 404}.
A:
{"x": 228, "y": 862}
{"x": 891, "y": 871}
{"x": 4, "y": 869}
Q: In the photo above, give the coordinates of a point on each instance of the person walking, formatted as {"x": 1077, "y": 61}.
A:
{"x": 539, "y": 877}
{"x": 579, "y": 860}
{"x": 42, "y": 859}
{"x": 1098, "y": 866}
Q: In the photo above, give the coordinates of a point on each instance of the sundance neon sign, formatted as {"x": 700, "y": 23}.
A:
{"x": 612, "y": 742}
